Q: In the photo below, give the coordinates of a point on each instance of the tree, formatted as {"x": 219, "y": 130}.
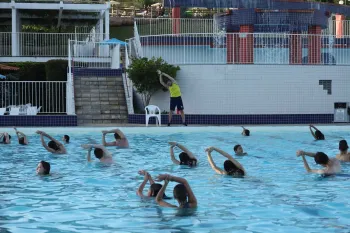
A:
{"x": 143, "y": 73}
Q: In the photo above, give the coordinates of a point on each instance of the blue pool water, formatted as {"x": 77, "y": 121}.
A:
{"x": 276, "y": 196}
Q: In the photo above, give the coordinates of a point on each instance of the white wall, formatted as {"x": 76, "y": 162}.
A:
{"x": 259, "y": 89}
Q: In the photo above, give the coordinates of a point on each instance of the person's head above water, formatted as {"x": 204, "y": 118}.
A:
{"x": 319, "y": 135}
{"x": 321, "y": 158}
{"x": 117, "y": 136}
{"x": 246, "y": 132}
{"x": 4, "y": 138}
{"x": 98, "y": 153}
{"x": 343, "y": 145}
{"x": 53, "y": 145}
{"x": 43, "y": 168}
{"x": 66, "y": 138}
{"x": 21, "y": 141}
{"x": 238, "y": 149}
{"x": 154, "y": 190}
{"x": 186, "y": 160}
{"x": 180, "y": 193}
{"x": 232, "y": 170}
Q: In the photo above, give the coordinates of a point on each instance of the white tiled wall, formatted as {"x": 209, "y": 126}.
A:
{"x": 259, "y": 89}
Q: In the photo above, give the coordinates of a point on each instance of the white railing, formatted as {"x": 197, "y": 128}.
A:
{"x": 40, "y": 44}
{"x": 248, "y": 48}
{"x": 334, "y": 26}
{"x": 84, "y": 54}
{"x": 160, "y": 26}
{"x": 50, "y": 96}
{"x": 137, "y": 42}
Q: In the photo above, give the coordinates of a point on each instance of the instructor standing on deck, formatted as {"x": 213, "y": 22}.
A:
{"x": 175, "y": 96}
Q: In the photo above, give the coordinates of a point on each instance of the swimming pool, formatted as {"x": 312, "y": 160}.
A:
{"x": 276, "y": 196}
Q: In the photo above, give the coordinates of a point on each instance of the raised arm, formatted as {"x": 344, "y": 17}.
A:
{"x": 184, "y": 149}
{"x": 301, "y": 152}
{"x": 7, "y": 138}
{"x": 169, "y": 77}
{"x": 139, "y": 191}
{"x": 159, "y": 197}
{"x": 43, "y": 143}
{"x": 229, "y": 157}
{"x": 104, "y": 140}
{"x": 312, "y": 132}
{"x": 212, "y": 163}
{"x": 172, "y": 156}
{"x": 192, "y": 200}
{"x": 21, "y": 135}
{"x": 62, "y": 149}
{"x": 309, "y": 170}
{"x": 161, "y": 79}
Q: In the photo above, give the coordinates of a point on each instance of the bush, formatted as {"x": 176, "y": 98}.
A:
{"x": 30, "y": 71}
{"x": 143, "y": 74}
{"x": 56, "y": 70}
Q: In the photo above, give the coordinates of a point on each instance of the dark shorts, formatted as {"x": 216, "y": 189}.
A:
{"x": 176, "y": 102}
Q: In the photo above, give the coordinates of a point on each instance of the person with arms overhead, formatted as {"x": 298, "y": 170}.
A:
{"x": 186, "y": 157}
{"x": 120, "y": 139}
{"x": 22, "y": 138}
{"x": 245, "y": 132}
{"x": 331, "y": 166}
{"x": 53, "y": 146}
{"x": 175, "y": 96}
{"x": 100, "y": 152}
{"x": 318, "y": 135}
{"x": 5, "y": 138}
{"x": 154, "y": 188}
{"x": 231, "y": 166}
{"x": 344, "y": 155}
{"x": 182, "y": 193}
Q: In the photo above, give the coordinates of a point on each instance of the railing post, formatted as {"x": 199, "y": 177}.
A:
{"x": 14, "y": 30}
{"x": 70, "y": 103}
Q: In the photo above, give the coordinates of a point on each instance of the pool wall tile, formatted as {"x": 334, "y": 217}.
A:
{"x": 44, "y": 120}
{"x": 239, "y": 119}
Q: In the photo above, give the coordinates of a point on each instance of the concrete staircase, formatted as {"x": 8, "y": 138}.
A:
{"x": 100, "y": 100}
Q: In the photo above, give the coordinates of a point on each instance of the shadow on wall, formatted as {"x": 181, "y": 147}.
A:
{"x": 326, "y": 59}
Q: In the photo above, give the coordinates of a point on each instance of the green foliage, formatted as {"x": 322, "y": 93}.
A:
{"x": 30, "y": 71}
{"x": 143, "y": 74}
{"x": 56, "y": 70}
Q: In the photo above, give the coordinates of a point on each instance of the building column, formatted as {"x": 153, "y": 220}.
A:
{"x": 232, "y": 47}
{"x": 246, "y": 44}
{"x": 18, "y": 30}
{"x": 295, "y": 49}
{"x": 339, "y": 23}
{"x": 100, "y": 27}
{"x": 314, "y": 45}
{"x": 14, "y": 37}
{"x": 176, "y": 14}
{"x": 107, "y": 24}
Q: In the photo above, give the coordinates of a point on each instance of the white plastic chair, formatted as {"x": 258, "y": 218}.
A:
{"x": 2, "y": 111}
{"x": 14, "y": 111}
{"x": 151, "y": 111}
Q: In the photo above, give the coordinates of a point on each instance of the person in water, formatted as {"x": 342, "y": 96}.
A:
{"x": 154, "y": 188}
{"x": 239, "y": 150}
{"x": 66, "y": 139}
{"x": 231, "y": 166}
{"x": 175, "y": 96}
{"x": 100, "y": 152}
{"x": 344, "y": 155}
{"x": 182, "y": 192}
{"x": 120, "y": 139}
{"x": 43, "y": 168}
{"x": 54, "y": 146}
{"x": 318, "y": 135}
{"x": 186, "y": 157}
{"x": 22, "y": 138}
{"x": 331, "y": 166}
{"x": 245, "y": 132}
{"x": 5, "y": 138}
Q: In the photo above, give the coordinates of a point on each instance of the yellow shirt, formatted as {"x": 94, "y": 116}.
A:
{"x": 174, "y": 90}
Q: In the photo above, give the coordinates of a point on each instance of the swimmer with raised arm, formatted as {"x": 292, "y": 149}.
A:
{"x": 231, "y": 166}
{"x": 53, "y": 146}
{"x": 318, "y": 135}
{"x": 5, "y": 138}
{"x": 186, "y": 157}
{"x": 182, "y": 192}
{"x": 331, "y": 166}
{"x": 245, "y": 132}
{"x": 22, "y": 138}
{"x": 120, "y": 139}
{"x": 344, "y": 155}
{"x": 43, "y": 168}
{"x": 100, "y": 152}
{"x": 154, "y": 188}
{"x": 175, "y": 96}
{"x": 66, "y": 139}
{"x": 239, "y": 150}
